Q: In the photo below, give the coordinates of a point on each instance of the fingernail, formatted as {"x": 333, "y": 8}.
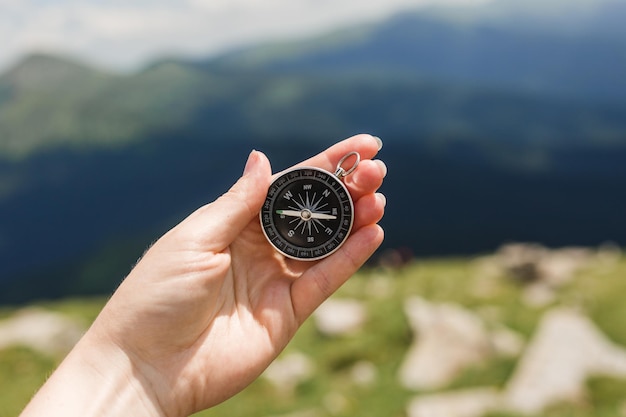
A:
{"x": 250, "y": 162}
{"x": 379, "y": 142}
{"x": 381, "y": 197}
{"x": 382, "y": 166}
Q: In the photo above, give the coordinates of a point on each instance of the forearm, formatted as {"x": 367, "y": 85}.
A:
{"x": 94, "y": 380}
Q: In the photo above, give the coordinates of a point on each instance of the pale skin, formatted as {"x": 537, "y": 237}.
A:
{"x": 210, "y": 304}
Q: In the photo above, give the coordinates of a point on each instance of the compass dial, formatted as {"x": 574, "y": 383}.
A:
{"x": 308, "y": 213}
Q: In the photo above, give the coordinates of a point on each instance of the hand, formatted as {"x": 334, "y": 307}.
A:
{"x": 211, "y": 303}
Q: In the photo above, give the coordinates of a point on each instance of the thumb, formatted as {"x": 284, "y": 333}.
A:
{"x": 220, "y": 222}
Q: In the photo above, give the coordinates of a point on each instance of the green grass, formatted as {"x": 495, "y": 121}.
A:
{"x": 598, "y": 291}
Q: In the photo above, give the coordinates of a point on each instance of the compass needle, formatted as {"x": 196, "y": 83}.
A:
{"x": 323, "y": 216}
{"x": 290, "y": 213}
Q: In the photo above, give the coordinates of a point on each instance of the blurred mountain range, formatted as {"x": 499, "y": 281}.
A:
{"x": 505, "y": 44}
{"x": 501, "y": 122}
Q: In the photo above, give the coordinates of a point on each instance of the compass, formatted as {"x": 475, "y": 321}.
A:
{"x": 308, "y": 212}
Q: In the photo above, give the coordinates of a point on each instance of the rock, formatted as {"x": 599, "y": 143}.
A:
{"x": 538, "y": 295}
{"x": 506, "y": 342}
{"x": 380, "y": 286}
{"x": 464, "y": 403}
{"x": 534, "y": 263}
{"x": 364, "y": 373}
{"x": 448, "y": 339}
{"x": 40, "y": 330}
{"x": 565, "y": 351}
{"x": 542, "y": 270}
{"x": 338, "y": 317}
{"x": 290, "y": 370}
{"x": 521, "y": 260}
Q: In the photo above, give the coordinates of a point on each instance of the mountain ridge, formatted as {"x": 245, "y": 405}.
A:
{"x": 565, "y": 17}
{"x": 41, "y": 70}
{"x": 482, "y": 54}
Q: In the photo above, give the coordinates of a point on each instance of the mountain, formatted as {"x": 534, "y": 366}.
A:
{"x": 571, "y": 54}
{"x": 104, "y": 111}
{"x": 591, "y": 18}
{"x": 74, "y": 105}
{"x": 39, "y": 98}
{"x": 492, "y": 133}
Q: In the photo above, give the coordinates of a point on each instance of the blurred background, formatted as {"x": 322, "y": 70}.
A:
{"x": 503, "y": 121}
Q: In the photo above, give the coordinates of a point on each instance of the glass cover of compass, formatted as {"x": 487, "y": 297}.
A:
{"x": 308, "y": 213}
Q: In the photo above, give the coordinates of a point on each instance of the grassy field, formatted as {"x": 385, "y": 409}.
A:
{"x": 332, "y": 391}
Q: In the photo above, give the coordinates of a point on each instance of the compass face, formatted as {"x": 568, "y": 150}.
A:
{"x": 308, "y": 213}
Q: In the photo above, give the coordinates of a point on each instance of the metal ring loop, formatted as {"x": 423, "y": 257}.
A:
{"x": 340, "y": 172}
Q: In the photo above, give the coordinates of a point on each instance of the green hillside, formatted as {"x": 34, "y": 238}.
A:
{"x": 47, "y": 102}
{"x": 330, "y": 390}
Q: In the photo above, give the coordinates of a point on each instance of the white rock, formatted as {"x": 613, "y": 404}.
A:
{"x": 462, "y": 403}
{"x": 506, "y": 342}
{"x": 566, "y": 350}
{"x": 380, "y": 286}
{"x": 364, "y": 373}
{"x": 535, "y": 263}
{"x": 288, "y": 371}
{"x": 543, "y": 271}
{"x": 340, "y": 316}
{"x": 448, "y": 339}
{"x": 521, "y": 260}
{"x": 560, "y": 266}
{"x": 538, "y": 295}
{"x": 43, "y": 331}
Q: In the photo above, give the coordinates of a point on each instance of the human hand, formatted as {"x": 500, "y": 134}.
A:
{"x": 211, "y": 303}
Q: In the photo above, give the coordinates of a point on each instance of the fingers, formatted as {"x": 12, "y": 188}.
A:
{"x": 366, "y": 145}
{"x": 367, "y": 178}
{"x": 324, "y": 278}
{"x": 369, "y": 210}
{"x": 369, "y": 174}
{"x": 216, "y": 225}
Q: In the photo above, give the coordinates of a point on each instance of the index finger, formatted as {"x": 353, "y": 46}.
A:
{"x": 366, "y": 145}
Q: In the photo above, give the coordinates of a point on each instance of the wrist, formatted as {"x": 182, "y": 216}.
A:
{"x": 95, "y": 379}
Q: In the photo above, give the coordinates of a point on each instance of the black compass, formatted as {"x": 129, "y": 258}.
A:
{"x": 308, "y": 212}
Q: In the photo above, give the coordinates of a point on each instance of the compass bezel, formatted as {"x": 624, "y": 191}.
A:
{"x": 279, "y": 239}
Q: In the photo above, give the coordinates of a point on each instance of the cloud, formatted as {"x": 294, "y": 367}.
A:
{"x": 125, "y": 34}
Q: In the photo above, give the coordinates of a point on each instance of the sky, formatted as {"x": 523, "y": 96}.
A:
{"x": 127, "y": 34}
